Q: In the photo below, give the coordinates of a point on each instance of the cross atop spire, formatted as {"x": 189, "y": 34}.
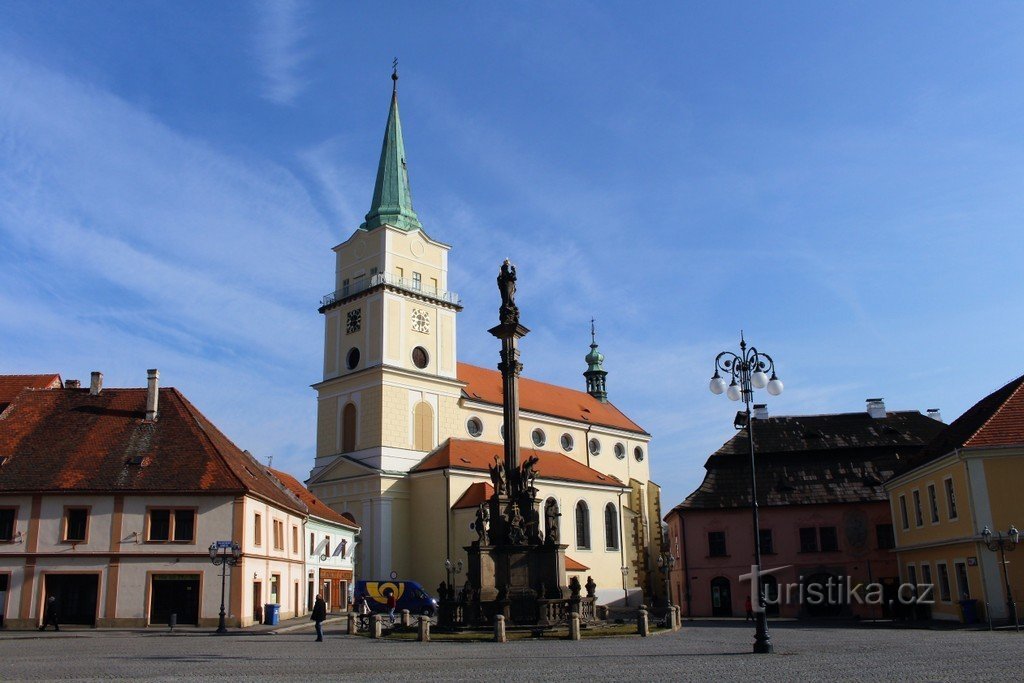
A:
{"x": 392, "y": 198}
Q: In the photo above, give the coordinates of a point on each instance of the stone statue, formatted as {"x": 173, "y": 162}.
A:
{"x": 498, "y": 479}
{"x": 591, "y": 587}
{"x": 509, "y": 312}
{"x": 442, "y": 591}
{"x": 574, "y": 587}
{"x": 516, "y": 527}
{"x": 529, "y": 472}
{"x": 483, "y": 522}
{"x": 551, "y": 516}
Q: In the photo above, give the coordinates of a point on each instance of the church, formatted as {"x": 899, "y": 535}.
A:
{"x": 406, "y": 432}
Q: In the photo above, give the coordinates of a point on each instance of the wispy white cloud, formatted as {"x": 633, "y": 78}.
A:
{"x": 281, "y": 49}
{"x": 125, "y": 244}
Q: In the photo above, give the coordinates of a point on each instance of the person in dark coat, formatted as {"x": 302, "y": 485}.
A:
{"x": 318, "y": 616}
{"x": 392, "y": 603}
{"x": 50, "y": 615}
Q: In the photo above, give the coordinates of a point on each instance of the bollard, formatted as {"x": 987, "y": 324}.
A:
{"x": 574, "y": 626}
{"x": 499, "y": 629}
{"x": 678, "y": 612}
{"x": 642, "y": 624}
{"x": 173, "y": 620}
{"x": 377, "y": 627}
{"x": 424, "y": 634}
{"x": 406, "y": 621}
{"x": 351, "y": 624}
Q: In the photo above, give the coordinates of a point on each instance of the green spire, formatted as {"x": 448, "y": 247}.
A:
{"x": 392, "y": 199}
{"x": 595, "y": 373}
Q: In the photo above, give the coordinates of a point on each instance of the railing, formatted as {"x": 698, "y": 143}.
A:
{"x": 414, "y": 286}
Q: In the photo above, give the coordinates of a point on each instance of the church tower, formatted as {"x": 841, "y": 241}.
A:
{"x": 595, "y": 373}
{"x": 389, "y": 374}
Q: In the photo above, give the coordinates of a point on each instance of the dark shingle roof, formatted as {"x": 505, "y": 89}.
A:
{"x": 996, "y": 420}
{"x": 840, "y": 458}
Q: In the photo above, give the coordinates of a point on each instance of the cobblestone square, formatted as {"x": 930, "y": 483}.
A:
{"x": 702, "y": 650}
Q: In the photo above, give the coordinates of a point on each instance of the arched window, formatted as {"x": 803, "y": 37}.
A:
{"x": 582, "y": 526}
{"x": 423, "y": 433}
{"x": 611, "y": 527}
{"x": 348, "y": 428}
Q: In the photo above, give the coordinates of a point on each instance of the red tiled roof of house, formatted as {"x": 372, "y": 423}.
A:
{"x": 68, "y": 440}
{"x": 474, "y": 495}
{"x": 478, "y": 455}
{"x": 572, "y": 565}
{"x": 547, "y": 399}
{"x": 12, "y": 385}
{"x": 317, "y": 507}
{"x": 996, "y": 420}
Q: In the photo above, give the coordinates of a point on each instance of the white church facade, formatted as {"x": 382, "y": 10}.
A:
{"x": 405, "y": 432}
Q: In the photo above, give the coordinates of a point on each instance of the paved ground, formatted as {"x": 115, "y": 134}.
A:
{"x": 702, "y": 650}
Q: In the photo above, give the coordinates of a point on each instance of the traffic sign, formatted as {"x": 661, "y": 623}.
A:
{"x": 224, "y": 544}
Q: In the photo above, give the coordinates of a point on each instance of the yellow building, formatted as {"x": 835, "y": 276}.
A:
{"x": 404, "y": 430}
{"x": 969, "y": 478}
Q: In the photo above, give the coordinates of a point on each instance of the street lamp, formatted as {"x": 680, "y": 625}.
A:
{"x": 1004, "y": 545}
{"x": 747, "y": 371}
{"x": 666, "y": 561}
{"x": 224, "y": 554}
{"x": 453, "y": 569}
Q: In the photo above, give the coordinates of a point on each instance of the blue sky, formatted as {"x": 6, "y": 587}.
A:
{"x": 842, "y": 181}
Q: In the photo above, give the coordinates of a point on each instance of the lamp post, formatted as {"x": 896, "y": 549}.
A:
{"x": 748, "y": 370}
{"x": 224, "y": 554}
{"x": 453, "y": 569}
{"x": 666, "y": 561}
{"x": 1004, "y": 545}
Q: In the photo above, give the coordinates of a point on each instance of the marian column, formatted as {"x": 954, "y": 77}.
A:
{"x": 509, "y": 331}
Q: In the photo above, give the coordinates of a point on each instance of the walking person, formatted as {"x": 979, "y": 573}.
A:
{"x": 318, "y": 616}
{"x": 50, "y": 614}
{"x": 749, "y": 607}
{"x": 392, "y": 602}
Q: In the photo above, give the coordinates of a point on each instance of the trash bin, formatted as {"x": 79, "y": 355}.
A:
{"x": 272, "y": 614}
{"x": 970, "y": 611}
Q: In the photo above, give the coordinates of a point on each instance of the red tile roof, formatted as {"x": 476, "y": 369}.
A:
{"x": 572, "y": 565}
{"x": 996, "y": 420}
{"x": 478, "y": 455}
{"x": 317, "y": 507}
{"x": 474, "y": 495}
{"x": 547, "y": 399}
{"x": 67, "y": 440}
{"x": 12, "y": 385}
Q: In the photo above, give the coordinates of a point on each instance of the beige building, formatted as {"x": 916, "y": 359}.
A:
{"x": 110, "y": 499}
{"x": 397, "y": 415}
{"x": 969, "y": 478}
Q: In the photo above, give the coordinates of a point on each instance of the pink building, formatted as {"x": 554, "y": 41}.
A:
{"x": 825, "y": 521}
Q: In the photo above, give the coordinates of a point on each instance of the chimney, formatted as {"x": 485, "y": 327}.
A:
{"x": 760, "y": 411}
{"x": 96, "y": 383}
{"x": 152, "y": 393}
{"x": 876, "y": 407}
{"x": 934, "y": 414}
{"x": 72, "y": 384}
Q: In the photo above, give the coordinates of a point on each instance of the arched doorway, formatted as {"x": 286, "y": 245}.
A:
{"x": 721, "y": 597}
{"x": 824, "y": 595}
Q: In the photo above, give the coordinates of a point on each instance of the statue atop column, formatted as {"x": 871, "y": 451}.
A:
{"x": 508, "y": 314}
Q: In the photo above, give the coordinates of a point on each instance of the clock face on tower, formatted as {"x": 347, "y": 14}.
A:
{"x": 354, "y": 320}
{"x": 420, "y": 321}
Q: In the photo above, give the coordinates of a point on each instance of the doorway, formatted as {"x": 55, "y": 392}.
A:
{"x": 76, "y": 597}
{"x": 826, "y": 595}
{"x": 327, "y": 594}
{"x": 721, "y": 597}
{"x": 174, "y": 594}
{"x": 257, "y": 601}
{"x": 4, "y": 581}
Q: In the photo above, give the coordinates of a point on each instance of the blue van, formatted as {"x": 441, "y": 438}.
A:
{"x": 408, "y": 595}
